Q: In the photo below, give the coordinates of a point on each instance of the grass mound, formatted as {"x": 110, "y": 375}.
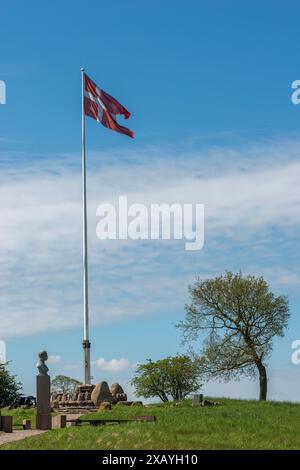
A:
{"x": 236, "y": 424}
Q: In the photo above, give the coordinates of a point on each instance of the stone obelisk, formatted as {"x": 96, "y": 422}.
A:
{"x": 43, "y": 407}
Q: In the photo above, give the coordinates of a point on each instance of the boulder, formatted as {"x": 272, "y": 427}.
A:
{"x": 101, "y": 393}
{"x": 116, "y": 389}
{"x": 118, "y": 393}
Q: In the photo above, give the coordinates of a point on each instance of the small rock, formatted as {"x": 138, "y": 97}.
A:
{"x": 105, "y": 405}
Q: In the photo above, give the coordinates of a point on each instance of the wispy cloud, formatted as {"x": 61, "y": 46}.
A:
{"x": 252, "y": 206}
{"x": 112, "y": 365}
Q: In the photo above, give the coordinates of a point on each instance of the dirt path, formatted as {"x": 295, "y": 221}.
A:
{"x": 18, "y": 435}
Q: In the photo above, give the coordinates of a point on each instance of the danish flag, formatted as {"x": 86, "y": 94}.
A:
{"x": 104, "y": 108}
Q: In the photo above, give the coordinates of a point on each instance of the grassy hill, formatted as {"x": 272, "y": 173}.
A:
{"x": 236, "y": 424}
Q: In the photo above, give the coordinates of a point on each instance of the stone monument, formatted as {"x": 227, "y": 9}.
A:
{"x": 43, "y": 407}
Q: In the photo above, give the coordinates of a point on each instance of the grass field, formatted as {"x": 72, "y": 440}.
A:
{"x": 236, "y": 424}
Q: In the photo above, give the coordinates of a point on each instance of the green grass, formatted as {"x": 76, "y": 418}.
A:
{"x": 237, "y": 424}
{"x": 19, "y": 414}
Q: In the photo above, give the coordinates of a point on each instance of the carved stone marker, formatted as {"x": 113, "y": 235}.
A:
{"x": 43, "y": 407}
{"x": 197, "y": 399}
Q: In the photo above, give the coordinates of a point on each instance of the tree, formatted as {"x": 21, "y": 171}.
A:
{"x": 241, "y": 317}
{"x": 174, "y": 377}
{"x": 64, "y": 384}
{"x": 9, "y": 387}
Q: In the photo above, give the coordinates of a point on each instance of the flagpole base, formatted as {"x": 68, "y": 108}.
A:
{"x": 86, "y": 345}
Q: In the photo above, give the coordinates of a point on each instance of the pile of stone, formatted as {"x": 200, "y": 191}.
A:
{"x": 89, "y": 397}
{"x": 80, "y": 398}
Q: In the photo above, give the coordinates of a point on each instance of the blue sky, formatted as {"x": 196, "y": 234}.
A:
{"x": 209, "y": 87}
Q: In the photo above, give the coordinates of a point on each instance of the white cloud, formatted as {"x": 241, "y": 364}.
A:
{"x": 252, "y": 205}
{"x": 113, "y": 365}
{"x": 54, "y": 359}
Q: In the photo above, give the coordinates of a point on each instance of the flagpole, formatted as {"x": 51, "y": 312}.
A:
{"x": 86, "y": 342}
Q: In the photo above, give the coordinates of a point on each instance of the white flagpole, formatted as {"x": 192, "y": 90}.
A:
{"x": 86, "y": 342}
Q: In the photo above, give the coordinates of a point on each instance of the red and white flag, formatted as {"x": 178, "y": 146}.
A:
{"x": 104, "y": 108}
